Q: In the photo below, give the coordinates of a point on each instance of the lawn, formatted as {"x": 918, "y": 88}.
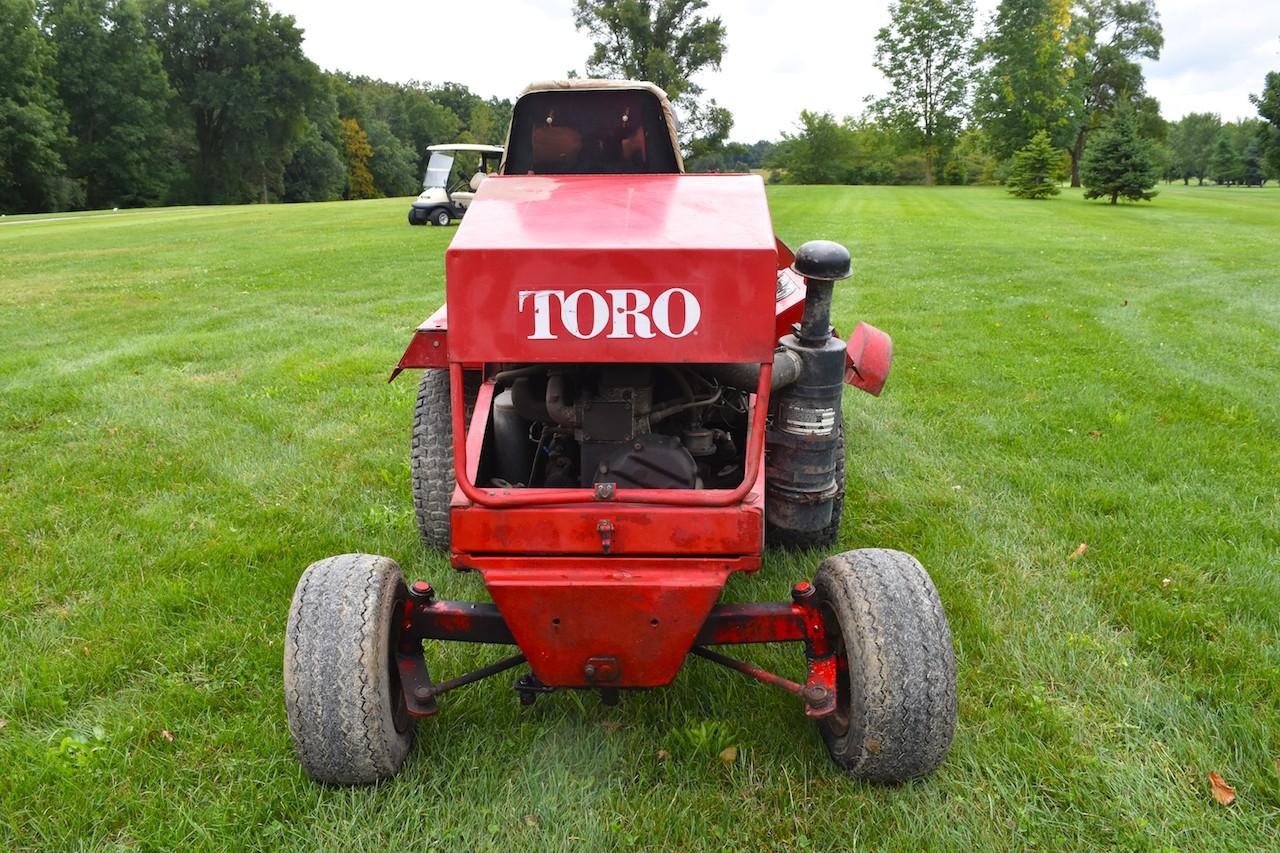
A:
{"x": 193, "y": 407}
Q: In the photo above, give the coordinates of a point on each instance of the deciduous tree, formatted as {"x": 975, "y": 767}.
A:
{"x": 819, "y": 153}
{"x": 924, "y": 53}
{"x": 33, "y": 124}
{"x": 666, "y": 42}
{"x": 1268, "y": 104}
{"x": 1192, "y": 139}
{"x": 117, "y": 96}
{"x": 357, "y": 153}
{"x": 1116, "y": 34}
{"x": 245, "y": 84}
{"x": 1029, "y": 58}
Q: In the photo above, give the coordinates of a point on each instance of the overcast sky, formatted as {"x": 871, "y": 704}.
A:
{"x": 783, "y": 56}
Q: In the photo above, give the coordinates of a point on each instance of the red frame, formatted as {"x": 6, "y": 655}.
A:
{"x": 567, "y": 594}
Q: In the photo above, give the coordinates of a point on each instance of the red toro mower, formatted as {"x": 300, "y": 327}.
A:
{"x": 633, "y": 387}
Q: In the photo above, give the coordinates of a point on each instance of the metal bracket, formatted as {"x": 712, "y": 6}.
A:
{"x": 606, "y": 530}
{"x": 528, "y": 686}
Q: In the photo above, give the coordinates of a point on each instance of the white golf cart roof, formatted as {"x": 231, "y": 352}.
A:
{"x": 467, "y": 146}
{"x": 594, "y": 84}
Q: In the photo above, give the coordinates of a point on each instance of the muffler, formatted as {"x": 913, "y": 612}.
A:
{"x": 804, "y": 431}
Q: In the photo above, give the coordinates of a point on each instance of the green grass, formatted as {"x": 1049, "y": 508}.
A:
{"x": 193, "y": 408}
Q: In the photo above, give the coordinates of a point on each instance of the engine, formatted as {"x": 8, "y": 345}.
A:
{"x": 667, "y": 426}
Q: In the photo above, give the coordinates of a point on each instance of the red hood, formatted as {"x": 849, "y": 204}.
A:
{"x": 614, "y": 268}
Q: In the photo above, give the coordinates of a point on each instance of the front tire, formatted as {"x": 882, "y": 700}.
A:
{"x": 441, "y": 217}
{"x": 342, "y": 690}
{"x": 431, "y": 453}
{"x": 896, "y": 684}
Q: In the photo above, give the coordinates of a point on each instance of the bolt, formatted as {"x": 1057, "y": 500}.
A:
{"x": 814, "y": 694}
{"x": 801, "y": 591}
{"x": 422, "y": 694}
{"x": 422, "y": 590}
{"x": 589, "y": 670}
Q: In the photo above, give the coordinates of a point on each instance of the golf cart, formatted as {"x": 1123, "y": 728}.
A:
{"x": 439, "y": 204}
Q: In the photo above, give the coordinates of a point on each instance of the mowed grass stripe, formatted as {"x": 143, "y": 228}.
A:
{"x": 194, "y": 409}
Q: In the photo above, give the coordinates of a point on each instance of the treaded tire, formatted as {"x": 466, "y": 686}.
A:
{"x": 341, "y": 684}
{"x": 441, "y": 217}
{"x": 795, "y": 540}
{"x": 896, "y": 688}
{"x": 431, "y": 452}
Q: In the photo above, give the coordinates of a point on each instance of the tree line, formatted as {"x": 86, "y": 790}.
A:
{"x": 1050, "y": 75}
{"x": 125, "y": 103}
{"x": 128, "y": 103}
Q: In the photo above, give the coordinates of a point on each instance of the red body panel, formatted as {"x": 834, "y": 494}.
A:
{"x": 429, "y": 346}
{"x": 632, "y": 619}
{"x": 616, "y": 268}
{"x": 868, "y": 356}
{"x": 631, "y": 529}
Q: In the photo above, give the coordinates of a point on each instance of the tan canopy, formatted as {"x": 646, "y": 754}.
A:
{"x": 594, "y": 84}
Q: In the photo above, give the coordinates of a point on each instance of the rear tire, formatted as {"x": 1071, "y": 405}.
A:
{"x": 441, "y": 217}
{"x": 342, "y": 690}
{"x": 795, "y": 540}
{"x": 431, "y": 453}
{"x": 896, "y": 687}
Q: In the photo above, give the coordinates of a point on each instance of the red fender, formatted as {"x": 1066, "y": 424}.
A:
{"x": 429, "y": 346}
{"x": 867, "y": 358}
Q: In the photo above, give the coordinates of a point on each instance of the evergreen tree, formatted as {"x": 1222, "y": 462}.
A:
{"x": 1225, "y": 167}
{"x": 316, "y": 170}
{"x": 1119, "y": 163}
{"x": 1251, "y": 172}
{"x": 1032, "y": 175}
{"x": 33, "y": 124}
{"x": 117, "y": 96}
{"x": 956, "y": 173}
